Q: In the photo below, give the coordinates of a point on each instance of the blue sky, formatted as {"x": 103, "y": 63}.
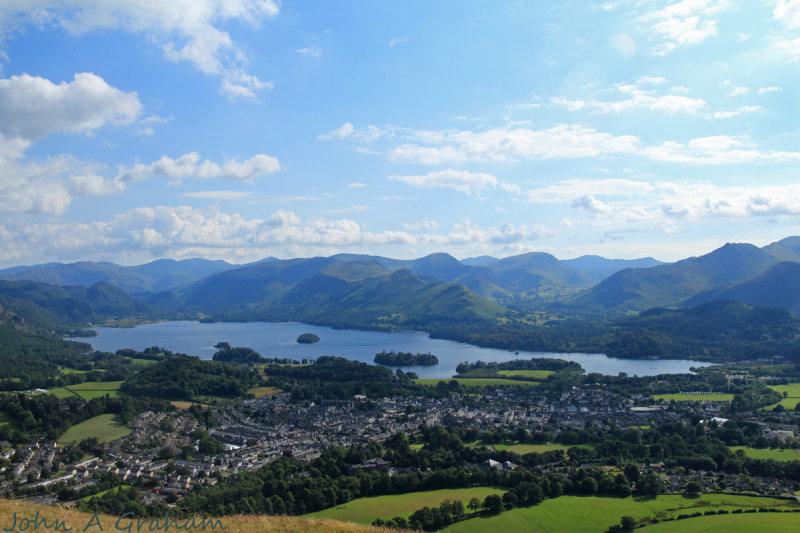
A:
{"x": 238, "y": 129}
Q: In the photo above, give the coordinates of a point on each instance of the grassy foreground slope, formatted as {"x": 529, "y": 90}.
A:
{"x": 576, "y": 514}
{"x": 78, "y": 521}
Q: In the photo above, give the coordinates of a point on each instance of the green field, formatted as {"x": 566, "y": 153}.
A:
{"x": 141, "y": 362}
{"x": 478, "y": 382}
{"x": 105, "y": 427}
{"x": 788, "y": 405}
{"x": 769, "y": 453}
{"x": 61, "y": 392}
{"x": 96, "y": 385}
{"x": 761, "y": 522}
{"x": 88, "y": 390}
{"x": 260, "y": 392}
{"x": 792, "y": 389}
{"x": 522, "y": 449}
{"x": 707, "y": 397}
{"x": 536, "y": 374}
{"x": 576, "y": 514}
{"x": 366, "y": 510}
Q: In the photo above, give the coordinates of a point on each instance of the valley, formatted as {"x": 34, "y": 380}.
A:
{"x": 517, "y": 396}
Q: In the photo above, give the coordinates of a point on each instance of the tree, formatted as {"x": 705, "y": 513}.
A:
{"x": 493, "y": 503}
{"x": 649, "y": 485}
{"x": 631, "y": 472}
{"x": 628, "y": 523}
{"x": 475, "y": 505}
{"x": 693, "y": 488}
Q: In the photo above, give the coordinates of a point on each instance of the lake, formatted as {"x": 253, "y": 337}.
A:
{"x": 280, "y": 340}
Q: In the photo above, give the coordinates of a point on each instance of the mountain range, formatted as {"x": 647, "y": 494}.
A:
{"x": 374, "y": 289}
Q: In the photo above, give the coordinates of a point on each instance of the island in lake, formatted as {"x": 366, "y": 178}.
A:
{"x": 405, "y": 359}
{"x": 308, "y": 338}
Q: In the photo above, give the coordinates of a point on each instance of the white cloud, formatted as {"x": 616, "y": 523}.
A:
{"x": 788, "y": 13}
{"x": 630, "y": 201}
{"x": 356, "y": 185}
{"x": 652, "y": 80}
{"x": 422, "y": 225}
{"x": 715, "y": 150}
{"x": 48, "y": 186}
{"x": 460, "y": 180}
{"x": 313, "y": 52}
{"x": 738, "y": 91}
{"x": 791, "y": 48}
{"x": 93, "y": 185}
{"x": 187, "y": 30}
{"x": 635, "y": 98}
{"x": 239, "y": 84}
{"x": 468, "y": 233}
{"x": 177, "y": 232}
{"x": 765, "y": 90}
{"x": 398, "y": 41}
{"x": 190, "y": 166}
{"x": 684, "y": 23}
{"x": 32, "y": 107}
{"x": 342, "y": 132}
{"x": 570, "y": 190}
{"x": 562, "y": 141}
{"x": 591, "y": 205}
{"x": 751, "y": 108}
{"x": 368, "y": 134}
{"x": 218, "y": 195}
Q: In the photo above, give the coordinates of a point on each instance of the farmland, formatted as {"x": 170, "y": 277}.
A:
{"x": 769, "y": 453}
{"x": 478, "y": 382}
{"x": 366, "y": 510}
{"x": 701, "y": 397}
{"x": 535, "y": 374}
{"x": 575, "y": 514}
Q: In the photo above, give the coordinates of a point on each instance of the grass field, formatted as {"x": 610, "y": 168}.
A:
{"x": 576, "y": 514}
{"x": 788, "y": 404}
{"x": 96, "y": 385}
{"x": 88, "y": 390}
{"x": 141, "y": 362}
{"x": 61, "y": 392}
{"x": 182, "y": 404}
{"x": 536, "y": 374}
{"x": 105, "y": 427}
{"x": 707, "y": 397}
{"x": 761, "y": 522}
{"x": 522, "y": 449}
{"x": 792, "y": 389}
{"x": 260, "y": 392}
{"x": 768, "y": 453}
{"x": 479, "y": 382}
{"x": 77, "y": 522}
{"x": 366, "y": 510}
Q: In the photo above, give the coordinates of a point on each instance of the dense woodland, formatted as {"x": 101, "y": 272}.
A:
{"x": 182, "y": 377}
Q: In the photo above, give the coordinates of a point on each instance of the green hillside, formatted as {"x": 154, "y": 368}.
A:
{"x": 644, "y": 288}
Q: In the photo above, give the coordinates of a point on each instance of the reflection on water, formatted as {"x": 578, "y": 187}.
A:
{"x": 280, "y": 340}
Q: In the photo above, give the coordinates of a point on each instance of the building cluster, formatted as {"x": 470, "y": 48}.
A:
{"x": 161, "y": 453}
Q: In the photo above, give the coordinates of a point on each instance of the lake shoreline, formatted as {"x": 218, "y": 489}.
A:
{"x": 278, "y": 339}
